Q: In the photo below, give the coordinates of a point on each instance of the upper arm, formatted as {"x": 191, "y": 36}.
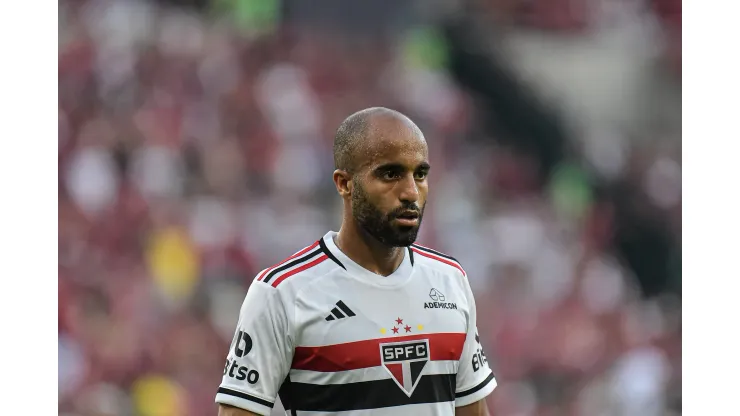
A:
{"x": 226, "y": 410}
{"x": 260, "y": 354}
{"x": 475, "y": 380}
{"x": 479, "y": 408}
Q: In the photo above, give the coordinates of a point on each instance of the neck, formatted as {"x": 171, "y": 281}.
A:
{"x": 366, "y": 251}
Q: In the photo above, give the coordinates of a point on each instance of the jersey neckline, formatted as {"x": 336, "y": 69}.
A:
{"x": 398, "y": 278}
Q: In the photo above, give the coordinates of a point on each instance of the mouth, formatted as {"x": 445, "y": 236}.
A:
{"x": 408, "y": 218}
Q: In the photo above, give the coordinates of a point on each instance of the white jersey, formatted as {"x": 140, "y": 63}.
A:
{"x": 330, "y": 337}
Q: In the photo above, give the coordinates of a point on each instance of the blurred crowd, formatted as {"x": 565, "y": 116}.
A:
{"x": 195, "y": 150}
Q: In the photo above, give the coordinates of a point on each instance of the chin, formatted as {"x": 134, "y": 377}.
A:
{"x": 406, "y": 238}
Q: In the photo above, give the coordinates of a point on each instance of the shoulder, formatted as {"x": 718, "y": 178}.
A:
{"x": 437, "y": 260}
{"x": 299, "y": 269}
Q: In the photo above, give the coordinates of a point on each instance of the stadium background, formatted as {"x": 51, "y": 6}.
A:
{"x": 195, "y": 149}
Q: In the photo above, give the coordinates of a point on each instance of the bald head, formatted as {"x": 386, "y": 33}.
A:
{"x": 381, "y": 173}
{"x": 364, "y": 130}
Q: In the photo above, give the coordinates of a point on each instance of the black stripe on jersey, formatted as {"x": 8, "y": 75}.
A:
{"x": 436, "y": 253}
{"x": 338, "y": 314}
{"x": 295, "y": 262}
{"x": 482, "y": 384}
{"x": 329, "y": 254}
{"x": 285, "y": 394}
{"x": 245, "y": 396}
{"x": 411, "y": 255}
{"x": 345, "y": 308}
{"x": 376, "y": 394}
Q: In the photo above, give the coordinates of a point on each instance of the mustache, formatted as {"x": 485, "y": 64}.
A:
{"x": 405, "y": 208}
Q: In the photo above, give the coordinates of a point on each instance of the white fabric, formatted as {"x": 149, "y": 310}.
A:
{"x": 432, "y": 298}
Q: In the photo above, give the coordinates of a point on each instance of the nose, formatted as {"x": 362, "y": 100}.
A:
{"x": 409, "y": 190}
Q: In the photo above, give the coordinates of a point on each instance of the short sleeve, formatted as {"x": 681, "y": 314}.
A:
{"x": 260, "y": 354}
{"x": 475, "y": 380}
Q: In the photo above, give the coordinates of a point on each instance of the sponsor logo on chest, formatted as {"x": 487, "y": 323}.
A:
{"x": 438, "y": 301}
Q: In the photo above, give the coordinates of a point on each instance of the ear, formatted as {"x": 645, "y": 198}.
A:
{"x": 343, "y": 182}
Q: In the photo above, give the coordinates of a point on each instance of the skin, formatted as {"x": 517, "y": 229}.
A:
{"x": 389, "y": 177}
{"x": 224, "y": 410}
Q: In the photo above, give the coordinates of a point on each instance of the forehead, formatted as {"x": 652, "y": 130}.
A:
{"x": 392, "y": 140}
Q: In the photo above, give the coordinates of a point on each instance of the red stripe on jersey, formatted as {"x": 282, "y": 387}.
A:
{"x": 443, "y": 260}
{"x": 366, "y": 354}
{"x": 304, "y": 251}
{"x": 428, "y": 248}
{"x": 299, "y": 269}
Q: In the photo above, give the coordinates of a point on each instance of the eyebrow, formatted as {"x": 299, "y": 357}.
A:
{"x": 394, "y": 166}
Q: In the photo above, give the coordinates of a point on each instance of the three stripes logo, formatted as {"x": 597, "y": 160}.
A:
{"x": 340, "y": 311}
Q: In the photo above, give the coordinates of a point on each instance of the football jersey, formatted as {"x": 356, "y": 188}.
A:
{"x": 330, "y": 337}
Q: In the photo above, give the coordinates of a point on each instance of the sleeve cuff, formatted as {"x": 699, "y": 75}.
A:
{"x": 244, "y": 401}
{"x": 478, "y": 392}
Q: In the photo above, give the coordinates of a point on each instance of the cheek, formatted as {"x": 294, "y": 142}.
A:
{"x": 383, "y": 203}
{"x": 375, "y": 193}
{"x": 423, "y": 192}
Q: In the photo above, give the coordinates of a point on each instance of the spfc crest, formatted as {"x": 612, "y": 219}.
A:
{"x": 405, "y": 361}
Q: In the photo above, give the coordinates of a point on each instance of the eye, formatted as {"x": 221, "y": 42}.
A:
{"x": 390, "y": 175}
{"x": 421, "y": 175}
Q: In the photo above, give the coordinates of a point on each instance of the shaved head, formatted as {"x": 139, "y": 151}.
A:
{"x": 355, "y": 136}
{"x": 381, "y": 160}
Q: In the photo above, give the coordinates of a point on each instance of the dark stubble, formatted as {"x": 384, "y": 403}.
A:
{"x": 379, "y": 225}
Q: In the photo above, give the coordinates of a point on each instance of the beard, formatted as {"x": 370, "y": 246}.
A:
{"x": 380, "y": 225}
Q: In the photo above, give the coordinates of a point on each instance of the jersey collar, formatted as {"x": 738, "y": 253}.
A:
{"x": 400, "y": 276}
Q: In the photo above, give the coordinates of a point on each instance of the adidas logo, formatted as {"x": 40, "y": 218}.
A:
{"x": 336, "y": 313}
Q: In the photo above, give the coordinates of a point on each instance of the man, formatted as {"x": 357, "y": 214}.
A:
{"x": 363, "y": 321}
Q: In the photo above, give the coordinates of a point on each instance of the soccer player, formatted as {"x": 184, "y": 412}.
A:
{"x": 363, "y": 321}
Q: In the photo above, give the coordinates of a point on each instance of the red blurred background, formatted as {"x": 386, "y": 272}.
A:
{"x": 195, "y": 150}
